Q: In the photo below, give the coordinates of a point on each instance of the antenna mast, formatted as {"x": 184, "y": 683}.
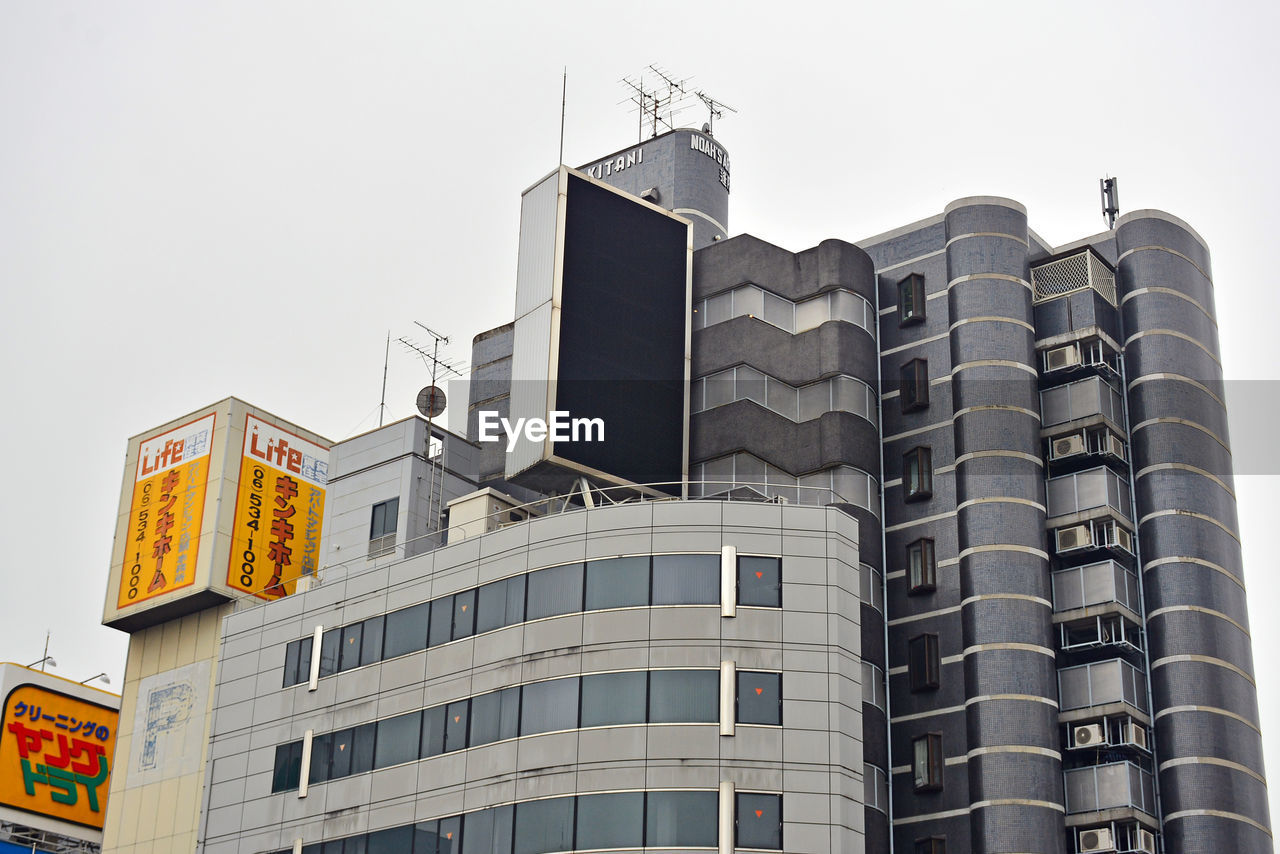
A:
{"x": 435, "y": 462}
{"x": 658, "y": 105}
{"x": 1110, "y": 199}
{"x": 715, "y": 110}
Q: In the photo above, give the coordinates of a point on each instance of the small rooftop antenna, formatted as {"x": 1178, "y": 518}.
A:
{"x": 1110, "y": 199}
{"x": 436, "y": 403}
{"x": 658, "y": 105}
{"x": 715, "y": 110}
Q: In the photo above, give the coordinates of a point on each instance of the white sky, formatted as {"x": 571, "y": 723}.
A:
{"x": 203, "y": 200}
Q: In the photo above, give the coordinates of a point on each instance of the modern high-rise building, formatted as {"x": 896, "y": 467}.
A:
{"x": 939, "y": 553}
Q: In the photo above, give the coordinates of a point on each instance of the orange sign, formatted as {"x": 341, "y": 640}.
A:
{"x": 56, "y": 753}
{"x": 279, "y": 510}
{"x": 165, "y": 514}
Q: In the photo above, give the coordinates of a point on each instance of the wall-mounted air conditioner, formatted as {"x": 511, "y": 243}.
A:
{"x": 1075, "y": 537}
{"x": 1146, "y": 841}
{"x": 1135, "y": 734}
{"x": 1114, "y": 446}
{"x": 1089, "y": 735}
{"x": 1061, "y": 357}
{"x": 1124, "y": 539}
{"x": 1097, "y": 839}
{"x": 1066, "y": 446}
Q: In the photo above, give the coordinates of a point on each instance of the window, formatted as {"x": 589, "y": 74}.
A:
{"x": 330, "y": 646}
{"x": 922, "y": 662}
{"x": 340, "y": 765}
{"x": 457, "y": 716}
{"x": 915, "y": 385}
{"x": 382, "y": 527}
{"x": 545, "y": 825}
{"x": 917, "y": 474}
{"x": 614, "y": 698}
{"x": 490, "y": 831}
{"x": 760, "y": 581}
{"x": 681, "y": 819}
{"x": 759, "y": 821}
{"x": 549, "y": 706}
{"x": 554, "y": 591}
{"x": 349, "y": 656}
{"x": 911, "y": 300}
{"x": 931, "y": 845}
{"x": 406, "y": 630}
{"x": 297, "y": 662}
{"x": 441, "y": 621}
{"x": 759, "y": 698}
{"x": 443, "y": 836}
{"x": 922, "y": 568}
{"x": 684, "y": 696}
{"x": 397, "y": 740}
{"x": 432, "y": 731}
{"x": 617, "y": 583}
{"x": 371, "y": 648}
{"x": 686, "y": 579}
{"x": 321, "y": 753}
{"x": 614, "y": 820}
{"x": 464, "y": 614}
{"x": 288, "y": 767}
{"x": 926, "y": 762}
{"x": 499, "y": 604}
{"x": 495, "y": 716}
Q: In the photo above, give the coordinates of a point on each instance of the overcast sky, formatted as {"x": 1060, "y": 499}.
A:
{"x": 200, "y": 200}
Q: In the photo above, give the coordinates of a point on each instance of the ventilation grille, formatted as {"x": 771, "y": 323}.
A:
{"x": 1071, "y": 274}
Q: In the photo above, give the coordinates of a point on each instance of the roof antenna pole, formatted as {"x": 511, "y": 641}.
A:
{"x": 386, "y": 357}
{"x": 564, "y": 97}
{"x": 1110, "y": 200}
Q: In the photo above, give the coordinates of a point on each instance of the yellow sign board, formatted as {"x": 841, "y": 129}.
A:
{"x": 56, "y": 755}
{"x": 279, "y": 510}
{"x": 163, "y": 536}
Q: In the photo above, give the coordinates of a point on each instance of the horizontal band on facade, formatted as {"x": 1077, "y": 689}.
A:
{"x": 950, "y": 760}
{"x": 917, "y": 716}
{"x": 1017, "y": 597}
{"x": 992, "y": 318}
{"x": 946, "y": 659}
{"x": 1171, "y": 292}
{"x": 1195, "y": 561}
{"x": 1202, "y": 659}
{"x": 1013, "y": 455}
{"x": 701, "y": 214}
{"x": 902, "y": 347}
{"x": 1204, "y": 517}
{"x": 972, "y": 234}
{"x": 1017, "y": 802}
{"x": 1187, "y": 468}
{"x": 942, "y": 380}
{"x": 1151, "y": 422}
{"x": 1232, "y": 816}
{"x": 1175, "y": 252}
{"x": 1002, "y": 500}
{"x": 911, "y": 261}
{"x": 1024, "y": 698}
{"x": 1213, "y": 760}
{"x": 1173, "y": 333}
{"x": 923, "y": 520}
{"x": 1002, "y": 407}
{"x": 972, "y": 277}
{"x": 928, "y": 816}
{"x": 1197, "y": 609}
{"x": 907, "y": 434}
{"x": 995, "y": 363}
{"x": 1208, "y": 710}
{"x": 1177, "y": 378}
{"x": 1009, "y": 646}
{"x": 1017, "y": 748}
{"x": 1004, "y": 547}
{"x": 925, "y": 615}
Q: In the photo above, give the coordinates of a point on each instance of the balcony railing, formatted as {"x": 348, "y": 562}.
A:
{"x": 1103, "y": 787}
{"x": 1073, "y": 273}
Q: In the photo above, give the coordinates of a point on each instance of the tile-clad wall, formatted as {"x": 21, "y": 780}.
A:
{"x": 815, "y": 759}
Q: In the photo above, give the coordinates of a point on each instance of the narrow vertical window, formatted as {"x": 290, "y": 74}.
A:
{"x": 911, "y": 300}
{"x": 931, "y": 845}
{"x": 923, "y": 663}
{"x": 914, "y": 386}
{"x": 922, "y": 567}
{"x": 917, "y": 474}
{"x": 382, "y": 527}
{"x": 926, "y": 762}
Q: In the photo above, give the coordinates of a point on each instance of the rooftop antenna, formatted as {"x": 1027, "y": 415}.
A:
{"x": 564, "y": 99}
{"x": 1110, "y": 200}
{"x": 432, "y": 403}
{"x": 715, "y": 110}
{"x": 386, "y": 357}
{"x": 658, "y": 105}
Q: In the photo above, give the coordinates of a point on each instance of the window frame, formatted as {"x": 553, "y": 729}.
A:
{"x": 924, "y": 664}
{"x": 913, "y": 389}
{"x": 382, "y": 540}
{"x": 931, "y": 845}
{"x": 911, "y": 300}
{"x": 917, "y": 474}
{"x": 922, "y": 566}
{"x": 933, "y": 765}
{"x": 738, "y": 686}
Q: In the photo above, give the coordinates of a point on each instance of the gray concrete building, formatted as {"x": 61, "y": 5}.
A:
{"x": 957, "y": 570}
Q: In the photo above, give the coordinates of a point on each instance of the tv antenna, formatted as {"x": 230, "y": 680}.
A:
{"x": 657, "y": 105}
{"x": 715, "y": 110}
{"x": 1110, "y": 199}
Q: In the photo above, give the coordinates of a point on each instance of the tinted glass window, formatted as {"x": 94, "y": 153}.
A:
{"x": 349, "y": 656}
{"x": 617, "y": 583}
{"x": 383, "y": 518}
{"x": 614, "y": 820}
{"x": 396, "y": 840}
{"x": 441, "y": 621}
{"x": 456, "y": 718}
{"x": 489, "y": 831}
{"x": 495, "y": 716}
{"x": 362, "y": 748}
{"x": 397, "y": 740}
{"x": 686, "y": 579}
{"x": 438, "y": 837}
{"x": 371, "y": 648}
{"x": 549, "y": 706}
{"x": 356, "y": 845}
{"x": 614, "y": 698}
{"x": 464, "y": 614}
{"x": 681, "y": 818}
{"x": 340, "y": 766}
{"x": 433, "y": 731}
{"x": 553, "y": 591}
{"x": 406, "y": 631}
{"x": 759, "y": 821}
{"x": 544, "y": 826}
{"x": 684, "y": 696}
{"x": 500, "y": 604}
{"x": 321, "y": 747}
{"x": 760, "y": 581}
{"x": 330, "y": 642}
{"x": 288, "y": 767}
{"x": 759, "y": 697}
{"x": 292, "y": 675}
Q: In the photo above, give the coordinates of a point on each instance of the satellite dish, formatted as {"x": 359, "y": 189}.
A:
{"x": 431, "y": 401}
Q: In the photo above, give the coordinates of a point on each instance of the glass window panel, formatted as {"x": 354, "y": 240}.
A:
{"x": 321, "y": 755}
{"x": 748, "y": 301}
{"x": 349, "y": 655}
{"x": 814, "y": 399}
{"x": 406, "y": 630}
{"x": 384, "y": 518}
{"x": 554, "y": 591}
{"x": 759, "y": 821}
{"x": 330, "y": 644}
{"x": 614, "y": 698}
{"x": 779, "y": 312}
{"x": 432, "y": 731}
{"x": 549, "y": 706}
{"x": 850, "y": 395}
{"x": 815, "y": 488}
{"x": 614, "y": 820}
{"x": 812, "y": 313}
{"x": 362, "y": 745}
{"x": 781, "y": 398}
{"x": 699, "y": 315}
{"x": 441, "y": 621}
{"x": 317, "y": 848}
{"x": 291, "y": 673}
{"x": 500, "y": 604}
{"x": 759, "y": 698}
{"x": 424, "y": 837}
{"x": 545, "y": 825}
{"x": 371, "y": 646}
{"x": 395, "y": 840}
{"x": 397, "y": 740}
{"x": 356, "y": 845}
{"x": 334, "y": 846}
{"x": 718, "y": 308}
{"x": 718, "y": 389}
{"x": 488, "y": 831}
{"x": 288, "y": 767}
{"x": 684, "y": 696}
{"x": 760, "y": 581}
{"x": 718, "y": 474}
{"x": 681, "y": 819}
{"x": 464, "y": 614}
{"x": 686, "y": 579}
{"x": 847, "y": 307}
{"x": 750, "y": 384}
{"x": 340, "y": 765}
{"x": 617, "y": 583}
{"x": 748, "y": 469}
{"x": 456, "y": 717}
{"x": 486, "y": 711}
{"x": 448, "y": 835}
{"x": 853, "y": 486}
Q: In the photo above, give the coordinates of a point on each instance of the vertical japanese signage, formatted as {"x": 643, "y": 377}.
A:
{"x": 163, "y": 536}
{"x": 56, "y": 754}
{"x": 279, "y": 510}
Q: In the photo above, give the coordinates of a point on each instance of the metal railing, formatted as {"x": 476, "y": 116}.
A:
{"x": 1058, "y": 278}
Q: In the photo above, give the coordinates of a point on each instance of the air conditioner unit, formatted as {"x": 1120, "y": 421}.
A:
{"x": 1124, "y": 539}
{"x": 1067, "y": 446}
{"x": 1077, "y": 537}
{"x": 1114, "y": 446}
{"x": 1061, "y": 357}
{"x": 1097, "y": 839}
{"x": 1136, "y": 734}
{"x": 1089, "y": 735}
{"x": 1146, "y": 841}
